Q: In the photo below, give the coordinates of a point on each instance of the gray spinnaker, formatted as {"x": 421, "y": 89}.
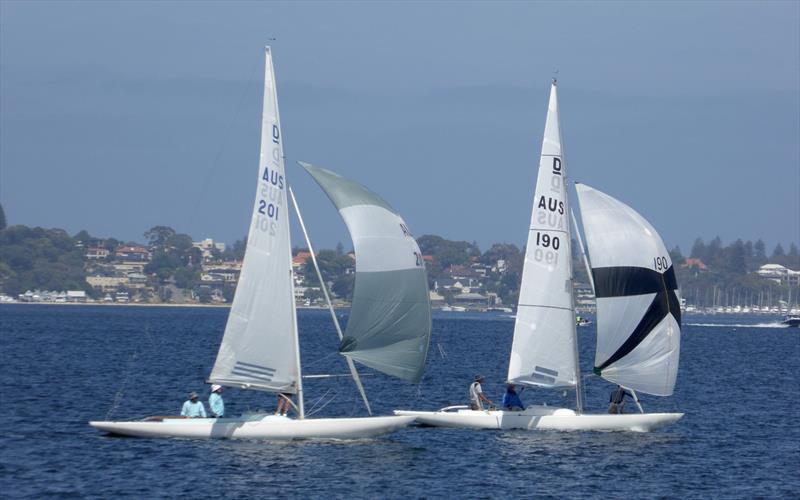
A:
{"x": 389, "y": 327}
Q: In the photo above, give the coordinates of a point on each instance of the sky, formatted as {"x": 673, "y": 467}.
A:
{"x": 119, "y": 116}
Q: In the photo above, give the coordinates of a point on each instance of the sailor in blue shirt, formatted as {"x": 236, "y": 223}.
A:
{"x": 215, "y": 403}
{"x": 193, "y": 408}
{"x": 511, "y": 400}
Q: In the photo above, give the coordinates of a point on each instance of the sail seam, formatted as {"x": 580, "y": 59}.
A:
{"x": 548, "y": 307}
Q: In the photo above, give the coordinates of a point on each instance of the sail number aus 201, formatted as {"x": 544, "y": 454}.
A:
{"x": 272, "y": 186}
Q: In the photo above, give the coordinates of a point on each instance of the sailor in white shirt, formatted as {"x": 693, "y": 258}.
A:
{"x": 476, "y": 396}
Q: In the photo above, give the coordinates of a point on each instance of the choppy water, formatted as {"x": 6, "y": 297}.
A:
{"x": 62, "y": 366}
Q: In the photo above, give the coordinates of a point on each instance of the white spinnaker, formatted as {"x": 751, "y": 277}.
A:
{"x": 259, "y": 348}
{"x": 543, "y": 351}
{"x": 637, "y": 299}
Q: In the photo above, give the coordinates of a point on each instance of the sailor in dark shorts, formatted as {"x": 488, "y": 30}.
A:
{"x": 617, "y": 400}
{"x": 284, "y": 403}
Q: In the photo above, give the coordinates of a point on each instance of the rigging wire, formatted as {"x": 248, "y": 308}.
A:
{"x": 132, "y": 361}
{"x": 213, "y": 166}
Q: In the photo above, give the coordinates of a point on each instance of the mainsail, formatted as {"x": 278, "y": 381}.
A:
{"x": 390, "y": 319}
{"x": 259, "y": 349}
{"x": 638, "y": 309}
{"x": 544, "y": 349}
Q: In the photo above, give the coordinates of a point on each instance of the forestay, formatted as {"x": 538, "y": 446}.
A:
{"x": 390, "y": 319}
{"x": 543, "y": 352}
{"x": 259, "y": 348}
{"x": 638, "y": 310}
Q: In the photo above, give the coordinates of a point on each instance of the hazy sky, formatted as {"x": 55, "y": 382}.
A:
{"x": 115, "y": 116}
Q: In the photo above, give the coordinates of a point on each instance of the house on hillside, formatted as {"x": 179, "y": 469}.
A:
{"x": 779, "y": 274}
{"x": 471, "y": 301}
{"x": 107, "y": 283}
{"x": 207, "y": 247}
{"x": 95, "y": 253}
{"x": 299, "y": 260}
{"x": 132, "y": 253}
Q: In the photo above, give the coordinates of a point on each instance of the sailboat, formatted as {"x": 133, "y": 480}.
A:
{"x": 638, "y": 314}
{"x": 390, "y": 319}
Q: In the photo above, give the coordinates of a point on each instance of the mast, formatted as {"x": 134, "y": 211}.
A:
{"x": 576, "y": 347}
{"x": 300, "y": 405}
{"x": 583, "y": 251}
{"x": 350, "y": 363}
{"x": 300, "y": 402}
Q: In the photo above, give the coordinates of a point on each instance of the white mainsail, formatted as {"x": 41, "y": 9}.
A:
{"x": 259, "y": 349}
{"x": 543, "y": 352}
{"x": 390, "y": 320}
{"x": 638, "y": 309}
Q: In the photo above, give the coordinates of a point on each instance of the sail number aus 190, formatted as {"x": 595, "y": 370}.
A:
{"x": 660, "y": 263}
{"x": 547, "y": 241}
{"x": 547, "y": 250}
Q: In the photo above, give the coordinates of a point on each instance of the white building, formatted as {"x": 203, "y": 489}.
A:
{"x": 207, "y": 246}
{"x": 779, "y": 274}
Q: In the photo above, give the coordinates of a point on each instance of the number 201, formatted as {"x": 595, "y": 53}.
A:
{"x": 270, "y": 210}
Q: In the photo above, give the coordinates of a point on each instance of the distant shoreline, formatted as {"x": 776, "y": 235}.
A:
{"x": 139, "y": 304}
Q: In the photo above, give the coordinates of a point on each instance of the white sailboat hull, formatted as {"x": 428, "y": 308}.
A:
{"x": 541, "y": 418}
{"x": 269, "y": 427}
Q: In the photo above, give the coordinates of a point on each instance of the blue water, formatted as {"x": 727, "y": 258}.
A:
{"x": 62, "y": 366}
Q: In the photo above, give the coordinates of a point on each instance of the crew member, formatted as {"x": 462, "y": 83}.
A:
{"x": 511, "y": 400}
{"x": 215, "y": 402}
{"x": 193, "y": 408}
{"x": 476, "y": 396}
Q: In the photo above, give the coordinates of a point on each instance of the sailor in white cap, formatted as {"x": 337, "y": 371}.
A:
{"x": 215, "y": 402}
{"x": 193, "y": 408}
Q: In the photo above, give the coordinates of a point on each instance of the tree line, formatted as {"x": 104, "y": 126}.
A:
{"x": 51, "y": 259}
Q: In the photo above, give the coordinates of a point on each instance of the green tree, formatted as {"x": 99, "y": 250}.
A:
{"x": 343, "y": 286}
{"x": 204, "y": 294}
{"x": 313, "y": 294}
{"x": 186, "y": 277}
{"x": 180, "y": 243}
{"x": 83, "y": 237}
{"x": 2, "y": 218}
{"x": 759, "y": 253}
{"x": 676, "y": 256}
{"x": 698, "y": 249}
{"x": 331, "y": 265}
{"x": 157, "y": 236}
{"x": 445, "y": 252}
{"x": 37, "y": 258}
{"x": 110, "y": 244}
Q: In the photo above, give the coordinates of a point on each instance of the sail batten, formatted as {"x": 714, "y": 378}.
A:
{"x": 544, "y": 345}
{"x": 259, "y": 348}
{"x": 638, "y": 309}
{"x": 390, "y": 318}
